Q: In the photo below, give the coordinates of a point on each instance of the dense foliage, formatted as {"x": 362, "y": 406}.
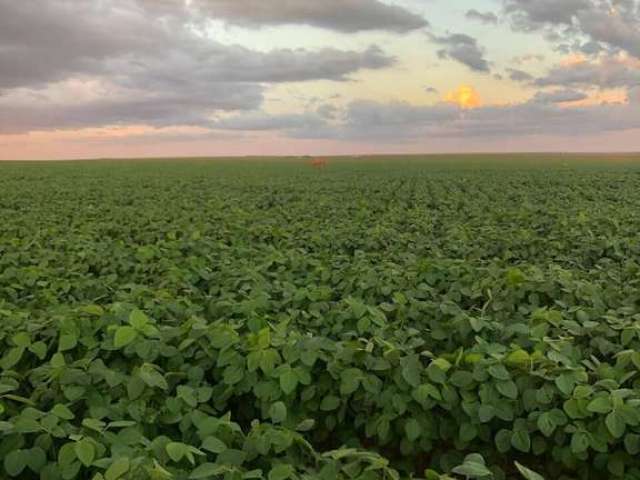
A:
{"x": 374, "y": 320}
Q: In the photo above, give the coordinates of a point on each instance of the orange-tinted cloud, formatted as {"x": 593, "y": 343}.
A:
{"x": 465, "y": 96}
{"x": 573, "y": 59}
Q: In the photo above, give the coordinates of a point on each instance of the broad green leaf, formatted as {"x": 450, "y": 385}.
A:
{"x": 565, "y": 383}
{"x": 67, "y": 342}
{"x": 138, "y": 319}
{"x": 615, "y": 424}
{"x": 473, "y": 467}
{"x": 546, "y": 424}
{"x": 527, "y": 473}
{"x": 63, "y": 412}
{"x": 117, "y": 469}
{"x": 580, "y": 442}
{"x": 330, "y": 402}
{"x": 206, "y": 471}
{"x": 281, "y": 472}
{"x": 288, "y": 381}
{"x": 600, "y": 405}
{"x": 278, "y": 412}
{"x": 521, "y": 441}
{"x": 124, "y": 336}
{"x": 213, "y": 445}
{"x": 12, "y": 358}
{"x": 412, "y": 429}
{"x": 85, "y": 451}
{"x": 15, "y": 462}
{"x": 176, "y": 450}
{"x": 411, "y": 370}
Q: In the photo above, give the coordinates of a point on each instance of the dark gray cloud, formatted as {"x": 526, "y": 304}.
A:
{"x": 620, "y": 30}
{"x": 341, "y": 15}
{"x": 155, "y": 70}
{"x": 606, "y": 73}
{"x": 402, "y": 122}
{"x": 154, "y": 109}
{"x": 483, "y": 17}
{"x": 519, "y": 75}
{"x": 612, "y": 25}
{"x": 210, "y": 63}
{"x": 464, "y": 49}
{"x": 559, "y": 96}
{"x": 42, "y": 41}
{"x": 533, "y": 14}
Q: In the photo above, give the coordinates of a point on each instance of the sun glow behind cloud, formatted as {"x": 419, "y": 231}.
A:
{"x": 465, "y": 96}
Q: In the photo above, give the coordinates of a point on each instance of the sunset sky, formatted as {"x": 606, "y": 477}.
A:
{"x": 129, "y": 78}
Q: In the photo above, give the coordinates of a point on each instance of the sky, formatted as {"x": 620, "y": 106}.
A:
{"x": 169, "y": 78}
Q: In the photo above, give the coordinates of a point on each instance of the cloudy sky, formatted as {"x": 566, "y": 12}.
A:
{"x": 119, "y": 78}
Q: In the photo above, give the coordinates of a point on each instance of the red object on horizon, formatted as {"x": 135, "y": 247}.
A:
{"x": 318, "y": 163}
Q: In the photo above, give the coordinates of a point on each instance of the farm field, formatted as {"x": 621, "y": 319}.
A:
{"x": 384, "y": 318}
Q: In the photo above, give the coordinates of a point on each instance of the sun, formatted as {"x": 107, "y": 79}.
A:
{"x": 465, "y": 96}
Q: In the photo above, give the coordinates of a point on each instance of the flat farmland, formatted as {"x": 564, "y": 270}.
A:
{"x": 375, "y": 318}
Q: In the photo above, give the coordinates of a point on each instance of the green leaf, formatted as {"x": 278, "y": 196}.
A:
{"x": 486, "y": 413}
{"x": 62, "y": 412}
{"x": 213, "y": 444}
{"x": 565, "y": 383}
{"x": 473, "y": 467}
{"x": 357, "y": 307}
{"x": 117, "y": 469}
{"x": 15, "y": 462}
{"x": 278, "y": 412}
{"x": 600, "y": 405}
{"x": 67, "y": 342}
{"x": 632, "y": 443}
{"x": 93, "y": 424}
{"x": 349, "y": 381}
{"x": 233, "y": 374}
{"x": 615, "y": 424}
{"x": 527, "y": 473}
{"x": 12, "y": 358}
{"x": 468, "y": 431}
{"x": 503, "y": 440}
{"x": 22, "y": 339}
{"x": 412, "y": 429}
{"x": 207, "y": 471}
{"x": 281, "y": 472}
{"x": 329, "y": 403}
{"x": 579, "y": 442}
{"x": 462, "y": 379}
{"x": 138, "y": 319}
{"x": 411, "y": 369}
{"x": 436, "y": 374}
{"x": 546, "y": 424}
{"x": 124, "y": 336}
{"x": 85, "y": 451}
{"x": 508, "y": 389}
{"x": 176, "y": 450}
{"x": 306, "y": 425}
{"x": 67, "y": 454}
{"x": 152, "y": 377}
{"x": 39, "y": 349}
{"x": 518, "y": 358}
{"x": 288, "y": 381}
{"x": 36, "y": 459}
{"x": 499, "y": 373}
{"x": 521, "y": 441}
